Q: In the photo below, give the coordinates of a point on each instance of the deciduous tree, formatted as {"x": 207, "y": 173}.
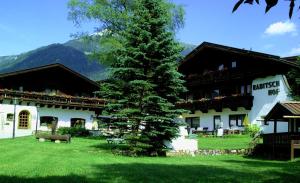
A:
{"x": 269, "y": 4}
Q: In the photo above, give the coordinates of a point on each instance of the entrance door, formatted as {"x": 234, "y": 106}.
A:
{"x": 217, "y": 122}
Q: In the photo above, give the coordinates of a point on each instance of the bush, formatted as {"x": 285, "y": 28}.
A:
{"x": 73, "y": 131}
{"x": 252, "y": 130}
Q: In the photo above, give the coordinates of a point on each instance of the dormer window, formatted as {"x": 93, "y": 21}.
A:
{"x": 233, "y": 64}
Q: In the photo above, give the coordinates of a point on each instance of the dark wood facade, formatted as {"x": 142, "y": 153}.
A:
{"x": 55, "y": 78}
{"x": 52, "y": 86}
{"x": 219, "y": 77}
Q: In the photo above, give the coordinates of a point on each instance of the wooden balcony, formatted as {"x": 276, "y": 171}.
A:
{"x": 220, "y": 76}
{"x": 42, "y": 99}
{"x": 218, "y": 103}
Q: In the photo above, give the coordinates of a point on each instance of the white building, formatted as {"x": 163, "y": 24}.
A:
{"x": 35, "y": 99}
{"x": 229, "y": 86}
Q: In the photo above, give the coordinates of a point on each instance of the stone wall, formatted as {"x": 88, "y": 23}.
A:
{"x": 210, "y": 152}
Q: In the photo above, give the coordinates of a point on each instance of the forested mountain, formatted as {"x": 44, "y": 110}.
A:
{"x": 73, "y": 54}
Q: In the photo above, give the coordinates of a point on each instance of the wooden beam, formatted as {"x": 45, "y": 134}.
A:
{"x": 275, "y": 126}
{"x": 292, "y": 117}
{"x": 290, "y": 125}
{"x": 292, "y": 150}
{"x": 294, "y": 145}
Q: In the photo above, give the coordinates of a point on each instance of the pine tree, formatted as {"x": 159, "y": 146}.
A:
{"x": 146, "y": 79}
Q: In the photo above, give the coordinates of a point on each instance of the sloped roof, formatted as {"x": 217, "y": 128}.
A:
{"x": 45, "y": 67}
{"x": 213, "y": 46}
{"x": 288, "y": 108}
{"x": 292, "y": 107}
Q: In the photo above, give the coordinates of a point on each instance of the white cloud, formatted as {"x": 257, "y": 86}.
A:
{"x": 281, "y": 28}
{"x": 294, "y": 51}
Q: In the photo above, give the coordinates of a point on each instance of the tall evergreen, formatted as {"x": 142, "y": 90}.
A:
{"x": 145, "y": 79}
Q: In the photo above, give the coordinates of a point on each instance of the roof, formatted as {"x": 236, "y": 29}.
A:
{"x": 206, "y": 45}
{"x": 45, "y": 67}
{"x": 288, "y": 108}
{"x": 292, "y": 107}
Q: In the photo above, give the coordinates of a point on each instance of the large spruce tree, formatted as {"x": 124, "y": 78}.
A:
{"x": 137, "y": 43}
{"x": 146, "y": 79}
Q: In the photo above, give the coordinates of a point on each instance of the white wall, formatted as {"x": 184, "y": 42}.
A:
{"x": 7, "y": 126}
{"x": 207, "y": 119}
{"x": 63, "y": 115}
{"x": 262, "y": 104}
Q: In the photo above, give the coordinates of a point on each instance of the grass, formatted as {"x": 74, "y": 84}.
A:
{"x": 228, "y": 142}
{"x": 90, "y": 160}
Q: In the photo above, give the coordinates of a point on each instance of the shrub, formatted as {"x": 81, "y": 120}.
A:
{"x": 252, "y": 129}
{"x": 73, "y": 131}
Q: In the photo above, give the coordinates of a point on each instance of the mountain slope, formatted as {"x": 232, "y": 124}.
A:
{"x": 72, "y": 54}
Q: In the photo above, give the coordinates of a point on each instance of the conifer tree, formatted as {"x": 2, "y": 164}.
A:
{"x": 137, "y": 43}
{"x": 147, "y": 79}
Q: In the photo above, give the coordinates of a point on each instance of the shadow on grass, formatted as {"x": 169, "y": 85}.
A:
{"x": 95, "y": 137}
{"x": 110, "y": 147}
{"x": 50, "y": 179}
{"x": 137, "y": 172}
{"x": 141, "y": 172}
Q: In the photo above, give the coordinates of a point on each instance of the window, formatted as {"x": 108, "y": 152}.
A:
{"x": 242, "y": 90}
{"x": 193, "y": 122}
{"x": 78, "y": 122}
{"x": 190, "y": 97}
{"x": 24, "y": 120}
{"x": 48, "y": 121}
{"x": 249, "y": 89}
{"x": 236, "y": 120}
{"x": 221, "y": 67}
{"x": 233, "y": 64}
{"x": 215, "y": 93}
{"x": 9, "y": 117}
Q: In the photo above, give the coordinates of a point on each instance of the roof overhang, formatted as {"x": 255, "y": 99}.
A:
{"x": 244, "y": 52}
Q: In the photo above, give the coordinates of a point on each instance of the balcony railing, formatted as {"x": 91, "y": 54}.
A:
{"x": 218, "y": 103}
{"x": 219, "y": 76}
{"x": 55, "y": 100}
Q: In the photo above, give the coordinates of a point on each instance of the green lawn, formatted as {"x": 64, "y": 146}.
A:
{"x": 90, "y": 160}
{"x": 227, "y": 142}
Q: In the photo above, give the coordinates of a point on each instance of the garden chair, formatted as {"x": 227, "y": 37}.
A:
{"x": 220, "y": 132}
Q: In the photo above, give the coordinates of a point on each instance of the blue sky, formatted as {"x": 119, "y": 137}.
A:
{"x": 26, "y": 25}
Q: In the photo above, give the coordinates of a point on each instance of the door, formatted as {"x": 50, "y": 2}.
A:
{"x": 217, "y": 122}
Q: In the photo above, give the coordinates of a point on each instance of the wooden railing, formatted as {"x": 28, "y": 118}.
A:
{"x": 218, "y": 103}
{"x": 280, "y": 138}
{"x": 284, "y": 143}
{"x": 46, "y": 99}
{"x": 295, "y": 144}
{"x": 219, "y": 76}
